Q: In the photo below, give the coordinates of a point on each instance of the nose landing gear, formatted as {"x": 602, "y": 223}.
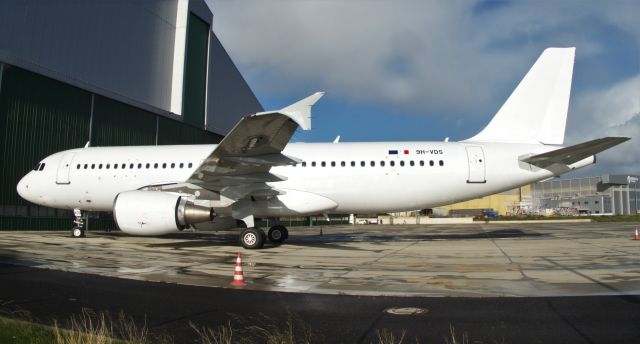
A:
{"x": 78, "y": 224}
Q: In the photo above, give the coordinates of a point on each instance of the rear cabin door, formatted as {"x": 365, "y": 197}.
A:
{"x": 64, "y": 168}
{"x": 477, "y": 171}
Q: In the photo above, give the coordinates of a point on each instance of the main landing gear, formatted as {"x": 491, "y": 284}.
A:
{"x": 254, "y": 238}
{"x": 78, "y": 224}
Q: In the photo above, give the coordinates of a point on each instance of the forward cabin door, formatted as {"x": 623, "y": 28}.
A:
{"x": 477, "y": 171}
{"x": 64, "y": 168}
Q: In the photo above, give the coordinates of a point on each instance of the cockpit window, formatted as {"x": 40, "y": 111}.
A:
{"x": 36, "y": 167}
{"x": 41, "y": 167}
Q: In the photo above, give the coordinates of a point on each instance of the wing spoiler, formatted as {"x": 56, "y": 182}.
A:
{"x": 572, "y": 154}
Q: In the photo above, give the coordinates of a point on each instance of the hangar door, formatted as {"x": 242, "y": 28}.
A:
{"x": 475, "y": 157}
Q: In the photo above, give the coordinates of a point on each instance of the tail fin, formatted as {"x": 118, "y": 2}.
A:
{"x": 536, "y": 112}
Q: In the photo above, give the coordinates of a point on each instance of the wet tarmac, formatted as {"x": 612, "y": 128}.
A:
{"x": 479, "y": 260}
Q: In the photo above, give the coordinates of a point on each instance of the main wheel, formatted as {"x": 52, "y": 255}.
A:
{"x": 278, "y": 234}
{"x": 252, "y": 238}
{"x": 77, "y": 232}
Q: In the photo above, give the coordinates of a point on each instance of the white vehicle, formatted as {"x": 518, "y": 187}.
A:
{"x": 255, "y": 172}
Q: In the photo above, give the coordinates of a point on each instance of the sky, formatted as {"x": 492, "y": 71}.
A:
{"x": 427, "y": 70}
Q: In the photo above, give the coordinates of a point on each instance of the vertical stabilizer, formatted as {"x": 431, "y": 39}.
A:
{"x": 536, "y": 111}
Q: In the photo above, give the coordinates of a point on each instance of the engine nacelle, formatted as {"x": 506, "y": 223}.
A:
{"x": 155, "y": 212}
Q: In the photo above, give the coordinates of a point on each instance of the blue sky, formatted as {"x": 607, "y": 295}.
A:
{"x": 426, "y": 70}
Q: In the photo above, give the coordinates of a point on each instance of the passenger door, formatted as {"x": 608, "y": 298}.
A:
{"x": 475, "y": 157}
{"x": 62, "y": 177}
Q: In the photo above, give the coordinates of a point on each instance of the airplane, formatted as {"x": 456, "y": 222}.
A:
{"x": 254, "y": 172}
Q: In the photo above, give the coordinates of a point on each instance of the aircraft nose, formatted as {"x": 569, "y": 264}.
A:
{"x": 23, "y": 187}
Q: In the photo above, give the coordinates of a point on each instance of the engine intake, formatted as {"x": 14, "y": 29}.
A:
{"x": 155, "y": 212}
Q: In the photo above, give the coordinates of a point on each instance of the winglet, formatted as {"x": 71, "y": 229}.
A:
{"x": 300, "y": 111}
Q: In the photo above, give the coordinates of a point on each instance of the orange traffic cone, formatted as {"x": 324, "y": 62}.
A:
{"x": 238, "y": 276}
{"x": 637, "y": 237}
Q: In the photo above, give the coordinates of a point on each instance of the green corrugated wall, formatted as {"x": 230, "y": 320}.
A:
{"x": 118, "y": 124}
{"x": 40, "y": 116}
{"x": 195, "y": 71}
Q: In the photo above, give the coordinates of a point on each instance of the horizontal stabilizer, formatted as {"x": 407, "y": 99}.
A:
{"x": 572, "y": 154}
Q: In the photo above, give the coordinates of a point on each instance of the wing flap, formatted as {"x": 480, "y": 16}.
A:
{"x": 572, "y": 154}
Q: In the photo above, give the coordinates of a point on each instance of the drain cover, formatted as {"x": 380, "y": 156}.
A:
{"x": 406, "y": 311}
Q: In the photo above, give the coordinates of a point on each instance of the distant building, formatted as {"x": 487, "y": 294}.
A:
{"x": 607, "y": 194}
{"x": 503, "y": 203}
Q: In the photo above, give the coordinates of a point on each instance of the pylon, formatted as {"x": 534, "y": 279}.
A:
{"x": 238, "y": 276}
{"x": 637, "y": 237}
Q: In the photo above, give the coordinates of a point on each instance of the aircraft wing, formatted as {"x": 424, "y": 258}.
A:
{"x": 241, "y": 163}
{"x": 575, "y": 153}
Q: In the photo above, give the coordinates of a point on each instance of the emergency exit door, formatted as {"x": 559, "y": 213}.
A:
{"x": 477, "y": 171}
{"x": 62, "y": 177}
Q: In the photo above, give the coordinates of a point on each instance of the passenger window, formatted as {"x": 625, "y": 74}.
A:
{"x": 353, "y": 164}
{"x": 181, "y": 165}
{"x": 85, "y": 166}
{"x": 164, "y": 165}
{"x": 333, "y": 164}
{"x": 100, "y": 166}
{"x": 93, "y": 166}
{"x": 155, "y": 165}
{"x": 173, "y": 165}
{"x": 313, "y": 164}
{"x": 323, "y": 164}
{"x": 362, "y": 163}
{"x": 441, "y": 163}
{"x": 430, "y": 162}
{"x": 421, "y": 163}
{"x": 411, "y": 163}
{"x": 190, "y": 165}
{"x": 304, "y": 164}
{"x": 108, "y": 166}
{"x": 392, "y": 163}
{"x": 401, "y": 162}
{"x": 78, "y": 167}
{"x": 382, "y": 163}
{"x": 373, "y": 163}
{"x": 115, "y": 166}
{"x": 148, "y": 165}
{"x": 343, "y": 164}
{"x": 139, "y": 166}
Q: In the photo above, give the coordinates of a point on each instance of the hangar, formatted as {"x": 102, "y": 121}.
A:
{"x": 107, "y": 73}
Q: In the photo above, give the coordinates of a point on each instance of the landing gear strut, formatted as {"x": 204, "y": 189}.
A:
{"x": 78, "y": 224}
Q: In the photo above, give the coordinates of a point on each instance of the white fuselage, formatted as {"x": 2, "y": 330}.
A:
{"x": 421, "y": 174}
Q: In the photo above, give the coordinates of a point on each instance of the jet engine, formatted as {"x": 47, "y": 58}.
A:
{"x": 155, "y": 212}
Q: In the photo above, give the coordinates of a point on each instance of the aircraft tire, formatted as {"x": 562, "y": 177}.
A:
{"x": 77, "y": 232}
{"x": 278, "y": 234}
{"x": 252, "y": 238}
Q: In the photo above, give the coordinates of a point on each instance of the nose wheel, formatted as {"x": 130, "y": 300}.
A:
{"x": 78, "y": 224}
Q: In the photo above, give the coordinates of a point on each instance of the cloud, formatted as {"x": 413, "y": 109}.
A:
{"x": 429, "y": 57}
{"x": 613, "y": 111}
{"x": 453, "y": 59}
